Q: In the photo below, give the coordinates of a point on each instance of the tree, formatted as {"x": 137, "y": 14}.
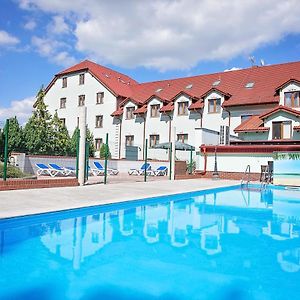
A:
{"x": 15, "y": 136}
{"x": 102, "y": 151}
{"x": 90, "y": 139}
{"x": 60, "y": 137}
{"x": 38, "y": 130}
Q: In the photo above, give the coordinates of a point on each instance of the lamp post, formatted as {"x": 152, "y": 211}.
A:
{"x": 216, "y": 173}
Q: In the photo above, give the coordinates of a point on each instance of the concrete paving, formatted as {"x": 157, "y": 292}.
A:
{"x": 28, "y": 202}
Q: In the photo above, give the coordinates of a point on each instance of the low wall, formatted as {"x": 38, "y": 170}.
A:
{"x": 27, "y": 162}
{"x": 23, "y": 184}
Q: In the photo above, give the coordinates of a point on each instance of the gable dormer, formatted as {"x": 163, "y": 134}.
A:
{"x": 213, "y": 100}
{"x": 289, "y": 93}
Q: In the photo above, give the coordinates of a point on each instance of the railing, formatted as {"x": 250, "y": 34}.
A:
{"x": 246, "y": 173}
{"x": 265, "y": 177}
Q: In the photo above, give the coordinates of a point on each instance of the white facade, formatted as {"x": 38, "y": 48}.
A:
{"x": 195, "y": 127}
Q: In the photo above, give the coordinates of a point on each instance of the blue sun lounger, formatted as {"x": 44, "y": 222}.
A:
{"x": 145, "y": 167}
{"x": 109, "y": 170}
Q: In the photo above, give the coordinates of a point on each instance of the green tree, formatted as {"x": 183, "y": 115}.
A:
{"x": 90, "y": 139}
{"x": 15, "y": 136}
{"x": 60, "y": 137}
{"x": 102, "y": 151}
{"x": 38, "y": 130}
{"x": 1, "y": 145}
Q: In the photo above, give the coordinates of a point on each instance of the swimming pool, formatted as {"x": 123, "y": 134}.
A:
{"x": 226, "y": 243}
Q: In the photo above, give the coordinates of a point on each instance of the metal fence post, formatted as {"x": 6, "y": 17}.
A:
{"x": 191, "y": 162}
{"x": 6, "y": 150}
{"x": 170, "y": 158}
{"x": 77, "y": 152}
{"x": 146, "y": 152}
{"x": 106, "y": 158}
{"x": 87, "y": 155}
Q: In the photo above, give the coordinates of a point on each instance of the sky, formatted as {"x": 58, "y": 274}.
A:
{"x": 147, "y": 40}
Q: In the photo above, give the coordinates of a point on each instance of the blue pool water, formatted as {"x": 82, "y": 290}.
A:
{"x": 227, "y": 244}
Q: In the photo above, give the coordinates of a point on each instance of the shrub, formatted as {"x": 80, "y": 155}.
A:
{"x": 12, "y": 172}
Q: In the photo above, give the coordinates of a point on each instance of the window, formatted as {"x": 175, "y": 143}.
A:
{"x": 245, "y": 118}
{"x": 99, "y": 98}
{"x": 64, "y": 82}
{"x": 98, "y": 144}
{"x": 62, "y": 103}
{"x": 63, "y": 120}
{"x": 182, "y": 137}
{"x": 183, "y": 108}
{"x": 154, "y": 110}
{"x": 214, "y": 105}
{"x": 99, "y": 121}
{"x": 281, "y": 130}
{"x": 249, "y": 85}
{"x": 129, "y": 139}
{"x": 81, "y": 100}
{"x": 292, "y": 99}
{"x": 154, "y": 139}
{"x": 216, "y": 83}
{"x": 129, "y": 113}
{"x": 81, "y": 78}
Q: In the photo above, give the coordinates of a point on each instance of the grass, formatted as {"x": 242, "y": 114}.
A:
{"x": 12, "y": 172}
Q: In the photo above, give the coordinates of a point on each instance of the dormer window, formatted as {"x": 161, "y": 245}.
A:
{"x": 183, "y": 108}
{"x": 81, "y": 78}
{"x": 214, "y": 105}
{"x": 129, "y": 113}
{"x": 64, "y": 82}
{"x": 292, "y": 99}
{"x": 249, "y": 85}
{"x": 216, "y": 83}
{"x": 154, "y": 111}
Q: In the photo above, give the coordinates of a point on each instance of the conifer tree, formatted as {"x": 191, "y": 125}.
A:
{"x": 15, "y": 136}
{"x": 102, "y": 151}
{"x": 90, "y": 139}
{"x": 60, "y": 137}
{"x": 38, "y": 130}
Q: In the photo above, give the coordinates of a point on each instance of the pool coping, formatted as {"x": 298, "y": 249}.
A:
{"x": 13, "y": 205}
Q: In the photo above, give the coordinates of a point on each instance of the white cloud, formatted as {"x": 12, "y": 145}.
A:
{"x": 52, "y": 49}
{"x": 7, "y": 39}
{"x": 22, "y": 109}
{"x": 166, "y": 34}
{"x": 58, "y": 26}
{"x": 30, "y": 25}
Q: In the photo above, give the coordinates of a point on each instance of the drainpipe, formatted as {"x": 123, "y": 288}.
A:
{"x": 144, "y": 136}
{"x": 170, "y": 123}
{"x": 120, "y": 138}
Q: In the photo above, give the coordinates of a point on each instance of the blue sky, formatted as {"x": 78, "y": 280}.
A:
{"x": 148, "y": 41}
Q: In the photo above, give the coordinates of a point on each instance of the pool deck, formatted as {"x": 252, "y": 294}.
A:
{"x": 28, "y": 202}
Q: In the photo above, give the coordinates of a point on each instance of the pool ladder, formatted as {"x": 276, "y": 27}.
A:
{"x": 265, "y": 177}
{"x": 246, "y": 174}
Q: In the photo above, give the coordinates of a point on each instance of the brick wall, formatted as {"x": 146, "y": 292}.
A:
{"x": 22, "y": 184}
{"x": 222, "y": 175}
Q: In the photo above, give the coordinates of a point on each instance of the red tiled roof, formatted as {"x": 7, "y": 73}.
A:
{"x": 117, "y": 112}
{"x": 280, "y": 108}
{"x": 266, "y": 80}
{"x": 286, "y": 83}
{"x": 252, "y": 124}
{"x": 119, "y": 84}
{"x": 217, "y": 91}
{"x": 141, "y": 110}
{"x": 255, "y": 123}
{"x": 196, "y": 105}
{"x": 167, "y": 108}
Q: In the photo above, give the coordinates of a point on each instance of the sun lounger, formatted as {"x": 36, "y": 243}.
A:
{"x": 160, "y": 171}
{"x": 95, "y": 172}
{"x": 70, "y": 170}
{"x": 63, "y": 170}
{"x": 46, "y": 170}
{"x": 141, "y": 171}
{"x": 109, "y": 170}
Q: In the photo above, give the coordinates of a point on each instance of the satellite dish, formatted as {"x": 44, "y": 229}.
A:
{"x": 252, "y": 60}
{"x": 262, "y": 62}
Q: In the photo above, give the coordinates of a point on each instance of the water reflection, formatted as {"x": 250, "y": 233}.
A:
{"x": 236, "y": 229}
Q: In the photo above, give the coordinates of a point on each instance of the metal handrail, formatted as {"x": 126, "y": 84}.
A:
{"x": 266, "y": 177}
{"x": 247, "y": 172}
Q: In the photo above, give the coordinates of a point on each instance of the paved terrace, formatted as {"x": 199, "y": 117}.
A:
{"x": 27, "y": 202}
